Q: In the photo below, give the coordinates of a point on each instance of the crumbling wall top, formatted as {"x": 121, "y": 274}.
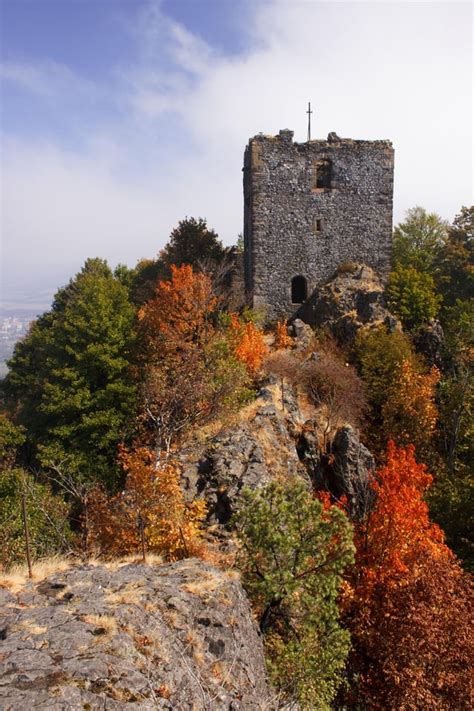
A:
{"x": 285, "y": 135}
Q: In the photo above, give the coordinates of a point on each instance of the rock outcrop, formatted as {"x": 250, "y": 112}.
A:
{"x": 429, "y": 340}
{"x": 259, "y": 448}
{"x": 351, "y": 470}
{"x": 178, "y": 636}
{"x": 352, "y": 299}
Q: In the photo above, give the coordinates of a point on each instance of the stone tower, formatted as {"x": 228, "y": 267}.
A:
{"x": 309, "y": 208}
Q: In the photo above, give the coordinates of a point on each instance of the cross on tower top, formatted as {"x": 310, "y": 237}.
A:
{"x": 309, "y": 112}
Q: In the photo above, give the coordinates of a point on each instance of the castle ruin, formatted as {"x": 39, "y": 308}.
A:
{"x": 310, "y": 208}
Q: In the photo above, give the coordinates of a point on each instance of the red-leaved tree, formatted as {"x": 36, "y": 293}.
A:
{"x": 407, "y": 607}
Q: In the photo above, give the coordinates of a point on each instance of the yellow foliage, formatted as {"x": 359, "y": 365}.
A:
{"x": 152, "y": 500}
{"x": 410, "y": 412}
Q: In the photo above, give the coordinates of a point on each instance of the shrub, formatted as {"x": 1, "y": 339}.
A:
{"x": 282, "y": 339}
{"x": 334, "y": 386}
{"x": 248, "y": 342}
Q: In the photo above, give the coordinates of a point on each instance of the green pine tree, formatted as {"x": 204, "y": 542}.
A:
{"x": 68, "y": 382}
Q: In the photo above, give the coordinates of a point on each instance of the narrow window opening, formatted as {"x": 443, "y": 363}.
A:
{"x": 299, "y": 290}
{"x": 322, "y": 175}
{"x": 318, "y": 227}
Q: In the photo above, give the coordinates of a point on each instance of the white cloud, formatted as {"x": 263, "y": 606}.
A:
{"x": 372, "y": 70}
{"x": 47, "y": 79}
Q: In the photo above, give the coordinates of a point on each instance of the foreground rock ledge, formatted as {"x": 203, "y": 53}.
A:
{"x": 177, "y": 636}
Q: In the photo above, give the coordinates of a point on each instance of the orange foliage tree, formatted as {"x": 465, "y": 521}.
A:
{"x": 151, "y": 505}
{"x": 401, "y": 617}
{"x": 187, "y": 372}
{"x": 282, "y": 339}
{"x": 179, "y": 316}
{"x": 249, "y": 345}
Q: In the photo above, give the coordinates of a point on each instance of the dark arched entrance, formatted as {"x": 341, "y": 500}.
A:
{"x": 299, "y": 290}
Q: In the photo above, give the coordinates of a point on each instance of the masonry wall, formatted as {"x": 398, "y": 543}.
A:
{"x": 310, "y": 207}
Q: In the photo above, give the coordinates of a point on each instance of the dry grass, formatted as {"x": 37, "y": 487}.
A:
{"x": 30, "y": 627}
{"x": 151, "y": 559}
{"x": 172, "y": 619}
{"x": 194, "y": 641}
{"x": 203, "y": 585}
{"x": 17, "y": 577}
{"x": 105, "y": 626}
{"x": 130, "y": 594}
{"x": 220, "y": 671}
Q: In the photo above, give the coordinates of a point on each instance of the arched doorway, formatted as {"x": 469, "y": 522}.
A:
{"x": 299, "y": 290}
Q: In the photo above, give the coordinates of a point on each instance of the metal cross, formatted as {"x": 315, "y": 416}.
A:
{"x": 309, "y": 112}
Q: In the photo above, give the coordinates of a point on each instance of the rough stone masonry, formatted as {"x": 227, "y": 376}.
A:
{"x": 310, "y": 208}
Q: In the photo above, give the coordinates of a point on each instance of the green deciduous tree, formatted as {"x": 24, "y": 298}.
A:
{"x": 452, "y": 496}
{"x": 454, "y": 261}
{"x": 416, "y": 241}
{"x": 294, "y": 554}
{"x": 11, "y": 437}
{"x": 68, "y": 380}
{"x": 412, "y": 296}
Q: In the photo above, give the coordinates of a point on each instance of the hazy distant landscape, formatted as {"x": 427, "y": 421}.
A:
{"x": 15, "y": 318}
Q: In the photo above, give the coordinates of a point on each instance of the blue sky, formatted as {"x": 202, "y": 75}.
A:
{"x": 121, "y": 117}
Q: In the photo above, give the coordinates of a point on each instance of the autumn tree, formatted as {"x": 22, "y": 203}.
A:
{"x": 149, "y": 512}
{"x": 179, "y": 317}
{"x": 401, "y": 616}
{"x": 293, "y": 557}
{"x": 410, "y": 414}
{"x": 248, "y": 343}
{"x": 422, "y": 639}
{"x": 282, "y": 339}
{"x": 68, "y": 382}
{"x": 401, "y": 391}
{"x": 188, "y": 371}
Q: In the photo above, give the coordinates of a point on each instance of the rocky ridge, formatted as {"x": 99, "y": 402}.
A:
{"x": 260, "y": 447}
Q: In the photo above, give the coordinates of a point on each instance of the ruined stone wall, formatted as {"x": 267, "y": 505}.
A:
{"x": 310, "y": 207}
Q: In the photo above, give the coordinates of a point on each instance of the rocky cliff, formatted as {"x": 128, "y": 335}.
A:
{"x": 178, "y": 636}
